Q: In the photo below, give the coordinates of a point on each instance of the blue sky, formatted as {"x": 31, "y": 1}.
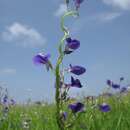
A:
{"x": 28, "y": 27}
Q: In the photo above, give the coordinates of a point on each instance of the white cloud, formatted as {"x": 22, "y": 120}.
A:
{"x": 104, "y": 17}
{"x": 61, "y": 10}
{"x": 123, "y": 4}
{"x": 23, "y": 35}
{"x": 8, "y": 71}
{"x": 107, "y": 16}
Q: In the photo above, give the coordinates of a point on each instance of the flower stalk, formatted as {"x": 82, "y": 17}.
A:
{"x": 61, "y": 88}
{"x": 58, "y": 99}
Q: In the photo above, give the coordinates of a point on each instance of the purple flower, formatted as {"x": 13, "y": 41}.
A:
{"x": 71, "y": 45}
{"x": 76, "y": 107}
{"x": 77, "y": 3}
{"x": 43, "y": 59}
{"x": 75, "y": 83}
{"x": 115, "y": 86}
{"x": 109, "y": 82}
{"x": 104, "y": 107}
{"x": 123, "y": 89}
{"x": 78, "y": 70}
{"x": 5, "y": 99}
{"x": 64, "y": 115}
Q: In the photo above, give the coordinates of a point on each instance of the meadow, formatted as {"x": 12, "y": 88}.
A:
{"x": 107, "y": 111}
{"x": 42, "y": 116}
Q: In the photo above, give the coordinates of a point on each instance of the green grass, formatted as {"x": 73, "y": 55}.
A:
{"x": 40, "y": 117}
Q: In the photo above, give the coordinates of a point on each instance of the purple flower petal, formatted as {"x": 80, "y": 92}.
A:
{"x": 78, "y": 70}
{"x": 64, "y": 114}
{"x": 71, "y": 45}
{"x": 109, "y": 82}
{"x": 76, "y": 107}
{"x": 75, "y": 83}
{"x": 123, "y": 89}
{"x": 68, "y": 40}
{"x": 74, "y": 44}
{"x": 115, "y": 86}
{"x": 5, "y": 99}
{"x": 104, "y": 107}
{"x": 77, "y": 3}
{"x": 41, "y": 58}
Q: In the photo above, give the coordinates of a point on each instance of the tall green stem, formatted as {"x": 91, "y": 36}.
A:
{"x": 57, "y": 70}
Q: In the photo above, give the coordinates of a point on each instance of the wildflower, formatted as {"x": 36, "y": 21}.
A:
{"x": 76, "y": 107}
{"x": 5, "y": 99}
{"x": 104, "y": 107}
{"x": 43, "y": 59}
{"x": 123, "y": 89}
{"x": 75, "y": 83}
{"x": 72, "y": 44}
{"x": 77, "y": 3}
{"x": 109, "y": 82}
{"x": 78, "y": 70}
{"x": 115, "y": 86}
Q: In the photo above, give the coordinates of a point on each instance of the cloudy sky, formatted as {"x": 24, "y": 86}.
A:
{"x": 29, "y": 26}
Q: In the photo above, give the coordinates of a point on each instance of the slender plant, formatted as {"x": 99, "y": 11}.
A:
{"x": 67, "y": 45}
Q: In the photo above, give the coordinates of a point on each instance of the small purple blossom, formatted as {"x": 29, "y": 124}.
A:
{"x": 77, "y": 3}
{"x": 72, "y": 44}
{"x": 75, "y": 83}
{"x": 104, "y": 107}
{"x": 76, "y": 107}
{"x": 5, "y": 99}
{"x": 123, "y": 89}
{"x": 115, "y": 86}
{"x": 42, "y": 59}
{"x": 77, "y": 70}
{"x": 64, "y": 114}
{"x": 109, "y": 82}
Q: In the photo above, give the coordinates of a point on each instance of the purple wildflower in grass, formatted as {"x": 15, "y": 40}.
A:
{"x": 76, "y": 107}
{"x": 5, "y": 99}
{"x": 42, "y": 59}
{"x": 77, "y": 3}
{"x": 115, "y": 86}
{"x": 123, "y": 89}
{"x": 77, "y": 70}
{"x": 72, "y": 44}
{"x": 104, "y": 107}
{"x": 75, "y": 83}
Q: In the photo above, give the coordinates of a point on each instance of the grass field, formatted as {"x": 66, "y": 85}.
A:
{"x": 42, "y": 117}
